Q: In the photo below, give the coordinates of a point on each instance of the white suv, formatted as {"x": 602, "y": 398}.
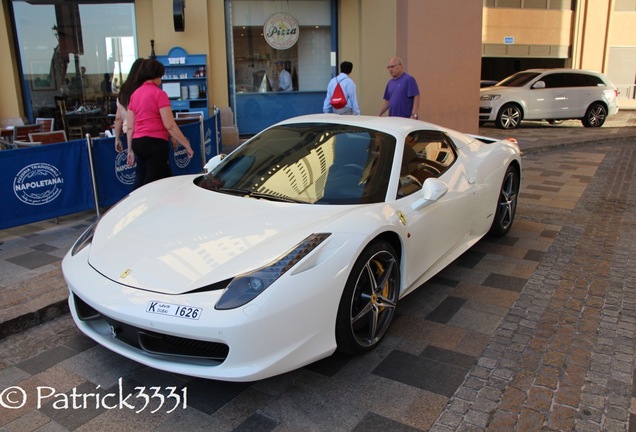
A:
{"x": 549, "y": 94}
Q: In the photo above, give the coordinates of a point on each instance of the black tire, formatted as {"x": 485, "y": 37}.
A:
{"x": 555, "y": 122}
{"x": 369, "y": 300}
{"x": 509, "y": 116}
{"x": 595, "y": 115}
{"x": 506, "y": 203}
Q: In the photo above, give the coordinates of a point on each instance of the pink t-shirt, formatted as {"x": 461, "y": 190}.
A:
{"x": 145, "y": 103}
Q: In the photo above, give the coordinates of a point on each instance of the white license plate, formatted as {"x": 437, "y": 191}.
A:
{"x": 179, "y": 311}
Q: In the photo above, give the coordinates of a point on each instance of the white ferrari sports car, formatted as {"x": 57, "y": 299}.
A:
{"x": 299, "y": 243}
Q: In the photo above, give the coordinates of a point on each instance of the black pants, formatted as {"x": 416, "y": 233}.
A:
{"x": 152, "y": 160}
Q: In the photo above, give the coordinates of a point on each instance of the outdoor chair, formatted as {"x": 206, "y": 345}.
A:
{"x": 180, "y": 121}
{"x": 26, "y": 144}
{"x": 190, "y": 114}
{"x": 48, "y": 137}
{"x": 46, "y": 122}
{"x": 21, "y": 133}
{"x": 74, "y": 127}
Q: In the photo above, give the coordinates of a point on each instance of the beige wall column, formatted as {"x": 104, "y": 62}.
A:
{"x": 591, "y": 34}
{"x": 11, "y": 104}
{"x": 350, "y": 48}
{"x": 440, "y": 44}
{"x": 367, "y": 38}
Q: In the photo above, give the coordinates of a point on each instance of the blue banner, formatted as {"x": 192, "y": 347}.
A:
{"x": 179, "y": 161}
{"x": 113, "y": 176}
{"x": 53, "y": 180}
{"x": 44, "y": 182}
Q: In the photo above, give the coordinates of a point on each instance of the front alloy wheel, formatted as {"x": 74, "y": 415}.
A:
{"x": 509, "y": 116}
{"x": 594, "y": 116}
{"x": 370, "y": 297}
{"x": 506, "y": 203}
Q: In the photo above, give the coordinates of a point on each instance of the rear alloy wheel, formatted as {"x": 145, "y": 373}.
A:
{"x": 506, "y": 203}
{"x": 594, "y": 116}
{"x": 509, "y": 116}
{"x": 368, "y": 302}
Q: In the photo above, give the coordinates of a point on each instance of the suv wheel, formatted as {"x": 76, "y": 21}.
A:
{"x": 509, "y": 116}
{"x": 594, "y": 116}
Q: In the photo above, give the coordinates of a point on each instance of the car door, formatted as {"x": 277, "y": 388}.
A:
{"x": 546, "y": 99}
{"x": 581, "y": 90}
{"x": 436, "y": 230}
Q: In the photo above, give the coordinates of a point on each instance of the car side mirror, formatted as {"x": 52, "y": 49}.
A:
{"x": 538, "y": 85}
{"x": 432, "y": 190}
{"x": 212, "y": 163}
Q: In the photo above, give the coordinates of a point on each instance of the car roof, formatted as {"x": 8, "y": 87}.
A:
{"x": 396, "y": 125}
{"x": 568, "y": 70}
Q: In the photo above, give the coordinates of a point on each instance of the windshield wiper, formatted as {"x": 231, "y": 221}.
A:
{"x": 245, "y": 192}
{"x": 276, "y": 197}
{"x": 234, "y": 191}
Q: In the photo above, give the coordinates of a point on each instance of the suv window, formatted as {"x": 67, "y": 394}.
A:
{"x": 518, "y": 80}
{"x": 557, "y": 80}
{"x": 590, "y": 80}
{"x": 554, "y": 80}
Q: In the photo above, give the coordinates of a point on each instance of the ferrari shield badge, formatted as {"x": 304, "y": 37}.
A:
{"x": 401, "y": 216}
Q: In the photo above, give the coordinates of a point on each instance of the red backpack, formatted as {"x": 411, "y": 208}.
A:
{"x": 338, "y": 99}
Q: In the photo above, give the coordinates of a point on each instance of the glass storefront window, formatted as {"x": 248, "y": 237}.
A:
{"x": 73, "y": 51}
{"x": 296, "y": 33}
{"x": 273, "y": 43}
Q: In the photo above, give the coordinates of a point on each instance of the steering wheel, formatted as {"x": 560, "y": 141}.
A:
{"x": 411, "y": 179}
{"x": 433, "y": 167}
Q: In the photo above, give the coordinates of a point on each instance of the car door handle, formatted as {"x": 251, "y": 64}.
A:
{"x": 472, "y": 180}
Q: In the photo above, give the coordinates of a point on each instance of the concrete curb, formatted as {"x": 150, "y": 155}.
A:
{"x": 32, "y": 319}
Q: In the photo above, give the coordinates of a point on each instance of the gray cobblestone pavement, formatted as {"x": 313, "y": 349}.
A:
{"x": 563, "y": 357}
{"x": 533, "y": 332}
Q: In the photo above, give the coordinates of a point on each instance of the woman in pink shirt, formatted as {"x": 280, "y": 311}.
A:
{"x": 150, "y": 124}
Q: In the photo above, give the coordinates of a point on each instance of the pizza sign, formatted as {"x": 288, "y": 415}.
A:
{"x": 281, "y": 31}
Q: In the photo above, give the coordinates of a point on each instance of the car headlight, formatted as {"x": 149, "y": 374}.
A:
{"x": 84, "y": 240}
{"x": 245, "y": 288}
{"x": 489, "y": 97}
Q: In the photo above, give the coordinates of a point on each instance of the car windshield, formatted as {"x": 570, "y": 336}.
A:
{"x": 518, "y": 80}
{"x": 309, "y": 163}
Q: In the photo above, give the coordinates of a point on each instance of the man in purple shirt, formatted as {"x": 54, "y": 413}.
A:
{"x": 401, "y": 96}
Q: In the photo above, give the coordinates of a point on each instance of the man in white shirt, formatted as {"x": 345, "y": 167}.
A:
{"x": 348, "y": 88}
{"x": 284, "y": 78}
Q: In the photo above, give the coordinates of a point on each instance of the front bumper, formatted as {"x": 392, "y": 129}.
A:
{"x": 487, "y": 113}
{"x": 290, "y": 325}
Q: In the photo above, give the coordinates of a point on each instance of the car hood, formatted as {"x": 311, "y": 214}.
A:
{"x": 498, "y": 89}
{"x": 173, "y": 237}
